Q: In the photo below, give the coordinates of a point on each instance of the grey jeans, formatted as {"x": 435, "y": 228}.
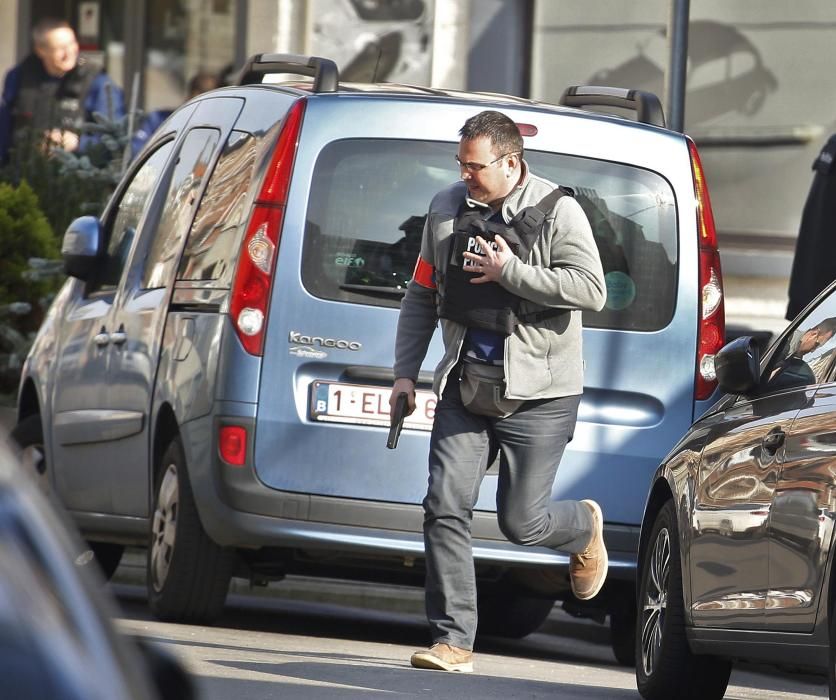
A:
{"x": 531, "y": 442}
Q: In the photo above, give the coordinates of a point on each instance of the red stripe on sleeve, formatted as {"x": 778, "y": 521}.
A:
{"x": 424, "y": 274}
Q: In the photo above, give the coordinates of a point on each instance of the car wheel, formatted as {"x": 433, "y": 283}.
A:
{"x": 108, "y": 555}
{"x": 666, "y": 669}
{"x": 188, "y": 574}
{"x": 29, "y": 435}
{"x": 623, "y": 634}
{"x": 506, "y": 612}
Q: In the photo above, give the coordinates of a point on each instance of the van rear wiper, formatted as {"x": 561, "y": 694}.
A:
{"x": 374, "y": 290}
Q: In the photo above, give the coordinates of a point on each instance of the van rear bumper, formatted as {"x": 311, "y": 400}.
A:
{"x": 238, "y": 510}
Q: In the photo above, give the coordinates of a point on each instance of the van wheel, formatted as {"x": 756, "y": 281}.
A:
{"x": 666, "y": 669}
{"x": 108, "y": 555}
{"x": 188, "y": 574}
{"x": 29, "y": 435}
{"x": 506, "y": 612}
{"x": 623, "y": 634}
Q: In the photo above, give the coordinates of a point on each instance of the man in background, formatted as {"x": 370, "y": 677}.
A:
{"x": 52, "y": 92}
{"x": 814, "y": 264}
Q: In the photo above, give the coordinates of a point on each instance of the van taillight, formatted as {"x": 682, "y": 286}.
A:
{"x": 712, "y": 314}
{"x": 232, "y": 444}
{"x": 250, "y": 299}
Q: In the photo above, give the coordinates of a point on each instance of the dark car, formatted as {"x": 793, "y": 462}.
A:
{"x": 57, "y": 637}
{"x": 736, "y": 550}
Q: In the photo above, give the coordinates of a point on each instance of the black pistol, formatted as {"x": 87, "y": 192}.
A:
{"x": 396, "y": 424}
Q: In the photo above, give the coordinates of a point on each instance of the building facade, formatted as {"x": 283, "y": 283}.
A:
{"x": 759, "y": 101}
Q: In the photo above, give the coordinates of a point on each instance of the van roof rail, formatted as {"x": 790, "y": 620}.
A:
{"x": 325, "y": 74}
{"x": 645, "y": 104}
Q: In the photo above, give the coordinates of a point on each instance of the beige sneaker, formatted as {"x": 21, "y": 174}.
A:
{"x": 444, "y": 657}
{"x": 588, "y": 570}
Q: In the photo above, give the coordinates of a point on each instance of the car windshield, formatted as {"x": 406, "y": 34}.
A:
{"x": 368, "y": 204}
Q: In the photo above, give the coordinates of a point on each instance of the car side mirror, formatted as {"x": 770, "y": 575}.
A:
{"x": 737, "y": 365}
{"x": 80, "y": 247}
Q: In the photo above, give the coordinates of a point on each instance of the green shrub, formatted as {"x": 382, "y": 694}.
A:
{"x": 24, "y": 233}
{"x": 69, "y": 184}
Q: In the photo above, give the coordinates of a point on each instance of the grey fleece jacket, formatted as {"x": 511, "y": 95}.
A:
{"x": 563, "y": 270}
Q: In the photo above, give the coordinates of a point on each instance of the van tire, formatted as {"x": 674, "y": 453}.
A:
{"x": 623, "y": 634}
{"x": 187, "y": 573}
{"x": 666, "y": 668}
{"x": 509, "y": 613}
{"x": 29, "y": 436}
{"x": 108, "y": 556}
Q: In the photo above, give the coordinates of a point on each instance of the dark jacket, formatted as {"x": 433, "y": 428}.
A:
{"x": 32, "y": 98}
{"x": 147, "y": 127}
{"x": 814, "y": 264}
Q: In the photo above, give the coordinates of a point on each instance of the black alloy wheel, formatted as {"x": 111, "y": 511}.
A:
{"x": 666, "y": 668}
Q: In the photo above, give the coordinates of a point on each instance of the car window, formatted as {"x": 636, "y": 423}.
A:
{"x": 126, "y": 219}
{"x": 366, "y": 212}
{"x": 806, "y": 352}
{"x": 187, "y": 181}
{"x": 216, "y": 233}
{"x": 369, "y": 199}
{"x": 633, "y": 217}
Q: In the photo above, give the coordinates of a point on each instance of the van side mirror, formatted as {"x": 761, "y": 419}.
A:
{"x": 80, "y": 247}
{"x": 737, "y": 365}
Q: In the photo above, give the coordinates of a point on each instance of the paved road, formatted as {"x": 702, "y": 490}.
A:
{"x": 274, "y": 647}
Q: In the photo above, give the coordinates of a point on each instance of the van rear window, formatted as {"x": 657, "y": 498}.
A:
{"x": 368, "y": 203}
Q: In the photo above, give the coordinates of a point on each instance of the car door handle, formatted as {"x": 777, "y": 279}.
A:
{"x": 774, "y": 440}
{"x": 119, "y": 337}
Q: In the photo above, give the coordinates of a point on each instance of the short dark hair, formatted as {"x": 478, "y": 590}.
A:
{"x": 44, "y": 26}
{"x": 499, "y": 128}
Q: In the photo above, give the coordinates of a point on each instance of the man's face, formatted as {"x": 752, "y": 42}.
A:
{"x": 58, "y": 51}
{"x": 492, "y": 182}
{"x": 813, "y": 339}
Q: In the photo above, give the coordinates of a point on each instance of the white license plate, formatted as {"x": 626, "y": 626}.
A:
{"x": 366, "y": 405}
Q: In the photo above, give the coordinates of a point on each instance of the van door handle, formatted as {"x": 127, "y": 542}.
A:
{"x": 101, "y": 338}
{"x": 774, "y": 440}
{"x": 119, "y": 337}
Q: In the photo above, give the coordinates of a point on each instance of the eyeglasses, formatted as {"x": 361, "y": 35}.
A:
{"x": 476, "y": 167}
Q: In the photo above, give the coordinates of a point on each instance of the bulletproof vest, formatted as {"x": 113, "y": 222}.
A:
{"x": 43, "y": 102}
{"x": 490, "y": 306}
